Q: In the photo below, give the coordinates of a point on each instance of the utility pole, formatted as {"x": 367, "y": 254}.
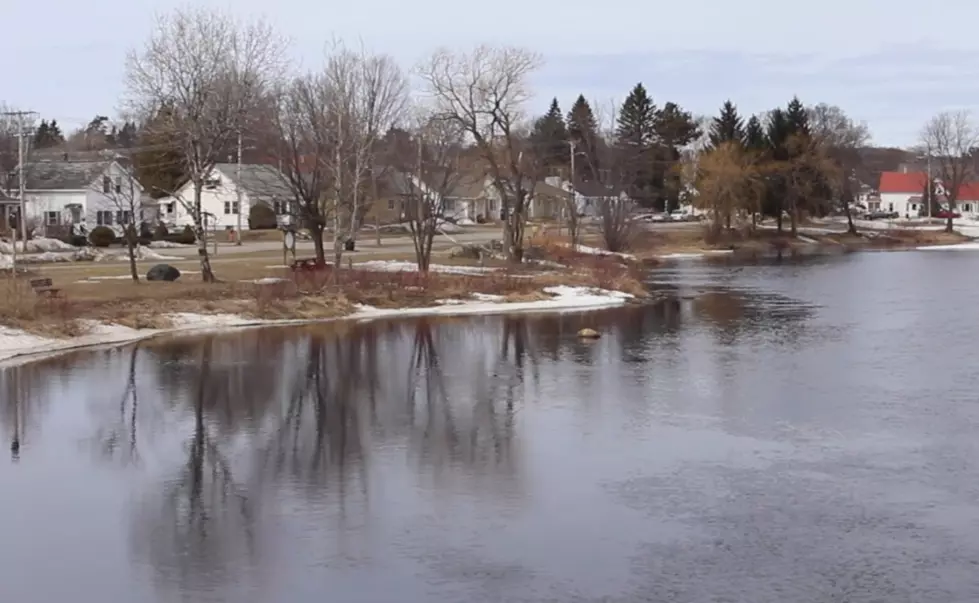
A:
{"x": 929, "y": 186}
{"x": 572, "y": 205}
{"x": 21, "y": 132}
{"x": 238, "y": 189}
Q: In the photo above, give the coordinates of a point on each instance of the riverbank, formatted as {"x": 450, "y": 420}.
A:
{"x": 18, "y": 344}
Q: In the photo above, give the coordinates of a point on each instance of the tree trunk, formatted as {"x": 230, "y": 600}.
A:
{"x": 316, "y": 232}
{"x": 793, "y": 220}
{"x": 948, "y": 224}
{"x": 207, "y": 275}
{"x": 850, "y": 226}
{"x": 131, "y": 247}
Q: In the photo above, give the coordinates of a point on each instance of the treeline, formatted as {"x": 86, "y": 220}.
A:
{"x": 790, "y": 161}
{"x": 649, "y": 138}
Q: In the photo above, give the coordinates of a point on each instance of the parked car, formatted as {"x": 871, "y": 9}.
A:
{"x": 882, "y": 215}
{"x": 945, "y": 215}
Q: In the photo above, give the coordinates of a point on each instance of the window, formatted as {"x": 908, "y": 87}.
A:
{"x": 106, "y": 184}
{"x": 124, "y": 217}
{"x": 280, "y": 207}
{"x": 170, "y": 207}
{"x": 390, "y": 203}
{"x": 231, "y": 207}
{"x": 212, "y": 183}
{"x": 967, "y": 207}
{"x": 118, "y": 184}
{"x": 52, "y": 218}
{"x": 103, "y": 218}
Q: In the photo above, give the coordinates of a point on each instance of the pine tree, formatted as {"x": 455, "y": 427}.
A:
{"x": 754, "y": 135}
{"x": 126, "y": 137}
{"x": 159, "y": 165}
{"x": 583, "y": 132}
{"x": 675, "y": 129}
{"x": 636, "y": 125}
{"x": 797, "y": 117}
{"x": 550, "y": 138}
{"x": 727, "y": 127}
{"x": 55, "y": 134}
{"x": 42, "y": 135}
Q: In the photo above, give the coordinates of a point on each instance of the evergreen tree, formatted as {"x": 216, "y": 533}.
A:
{"x": 797, "y": 117}
{"x": 636, "y": 125}
{"x": 126, "y": 136}
{"x": 159, "y": 164}
{"x": 727, "y": 127}
{"x": 583, "y": 132}
{"x": 42, "y": 135}
{"x": 550, "y": 138}
{"x": 55, "y": 134}
{"x": 754, "y": 135}
{"x": 675, "y": 129}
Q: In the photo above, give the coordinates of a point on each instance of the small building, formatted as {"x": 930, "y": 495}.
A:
{"x": 259, "y": 183}
{"x": 66, "y": 193}
{"x": 903, "y": 193}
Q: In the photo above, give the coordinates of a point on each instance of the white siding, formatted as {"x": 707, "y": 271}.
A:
{"x": 39, "y": 204}
{"x": 214, "y": 200}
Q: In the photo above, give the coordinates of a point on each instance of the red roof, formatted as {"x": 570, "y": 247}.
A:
{"x": 900, "y": 182}
{"x": 913, "y": 183}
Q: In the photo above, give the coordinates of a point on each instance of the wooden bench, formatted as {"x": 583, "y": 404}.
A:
{"x": 44, "y": 286}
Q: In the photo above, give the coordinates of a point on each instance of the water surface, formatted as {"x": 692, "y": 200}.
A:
{"x": 775, "y": 433}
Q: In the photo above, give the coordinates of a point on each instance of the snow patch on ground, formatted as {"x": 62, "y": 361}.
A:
{"x": 268, "y": 280}
{"x": 169, "y": 245}
{"x": 15, "y": 343}
{"x": 585, "y": 249}
{"x": 6, "y": 262}
{"x": 972, "y": 246}
{"x": 694, "y": 256}
{"x": 38, "y": 245}
{"x": 396, "y": 266}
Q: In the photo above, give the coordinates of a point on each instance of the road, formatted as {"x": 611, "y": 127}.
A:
{"x": 366, "y": 246}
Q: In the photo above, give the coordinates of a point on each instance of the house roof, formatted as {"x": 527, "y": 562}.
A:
{"x": 261, "y": 182}
{"x": 63, "y": 175}
{"x": 543, "y": 189}
{"x": 902, "y": 182}
{"x": 592, "y": 188}
{"x": 914, "y": 183}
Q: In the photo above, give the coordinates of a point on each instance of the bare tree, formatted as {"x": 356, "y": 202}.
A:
{"x": 729, "y": 184}
{"x": 484, "y": 92}
{"x": 951, "y": 139}
{"x": 209, "y": 70}
{"x": 431, "y": 172}
{"x": 303, "y": 148}
{"x": 119, "y": 190}
{"x": 840, "y": 138}
{"x": 615, "y": 166}
{"x": 367, "y": 94}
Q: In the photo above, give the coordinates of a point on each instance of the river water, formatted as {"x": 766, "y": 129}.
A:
{"x": 770, "y": 434}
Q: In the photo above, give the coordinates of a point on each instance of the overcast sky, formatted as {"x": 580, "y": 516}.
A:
{"x": 890, "y": 63}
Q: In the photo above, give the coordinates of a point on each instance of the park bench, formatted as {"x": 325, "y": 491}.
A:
{"x": 44, "y": 286}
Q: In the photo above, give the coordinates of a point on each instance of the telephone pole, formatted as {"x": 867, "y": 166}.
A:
{"x": 238, "y": 189}
{"x": 21, "y": 132}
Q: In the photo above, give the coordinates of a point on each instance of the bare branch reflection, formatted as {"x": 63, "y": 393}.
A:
{"x": 200, "y": 526}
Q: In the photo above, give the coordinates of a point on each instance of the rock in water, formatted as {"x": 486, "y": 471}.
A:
{"x": 588, "y": 334}
{"x": 163, "y": 272}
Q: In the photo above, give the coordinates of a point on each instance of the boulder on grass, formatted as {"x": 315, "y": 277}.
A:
{"x": 163, "y": 272}
{"x": 466, "y": 251}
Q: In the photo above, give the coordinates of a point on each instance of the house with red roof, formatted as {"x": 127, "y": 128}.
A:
{"x": 904, "y": 193}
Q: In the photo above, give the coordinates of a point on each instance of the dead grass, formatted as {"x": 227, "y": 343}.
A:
{"x": 318, "y": 295}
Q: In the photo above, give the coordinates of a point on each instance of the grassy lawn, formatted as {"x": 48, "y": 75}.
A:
{"x": 99, "y": 291}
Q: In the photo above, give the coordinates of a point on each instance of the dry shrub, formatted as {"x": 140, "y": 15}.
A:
{"x": 44, "y": 315}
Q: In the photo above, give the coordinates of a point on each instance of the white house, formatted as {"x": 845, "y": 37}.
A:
{"x": 81, "y": 193}
{"x": 589, "y": 196}
{"x": 219, "y": 198}
{"x": 902, "y": 192}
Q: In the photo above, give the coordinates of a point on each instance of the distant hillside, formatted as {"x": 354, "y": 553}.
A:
{"x": 875, "y": 160}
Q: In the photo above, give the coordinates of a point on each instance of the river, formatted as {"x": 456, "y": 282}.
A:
{"x": 773, "y": 433}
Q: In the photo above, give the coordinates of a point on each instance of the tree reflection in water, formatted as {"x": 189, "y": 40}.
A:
{"x": 200, "y": 525}
{"x": 118, "y": 440}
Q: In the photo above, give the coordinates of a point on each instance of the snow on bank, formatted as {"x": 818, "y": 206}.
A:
{"x": 971, "y": 246}
{"x": 585, "y": 249}
{"x": 15, "y": 343}
{"x": 694, "y": 256}
{"x": 396, "y": 266}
